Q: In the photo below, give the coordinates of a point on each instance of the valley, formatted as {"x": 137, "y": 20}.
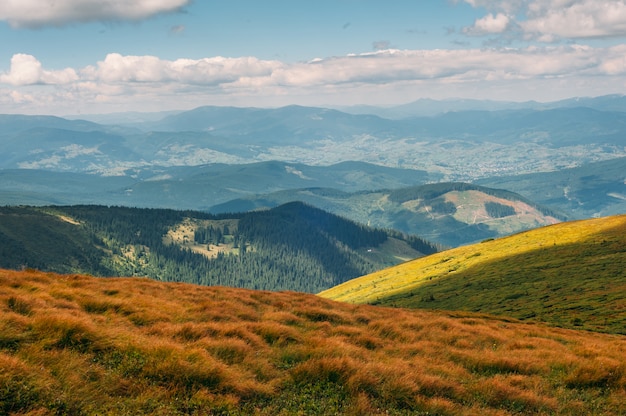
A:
{"x": 298, "y": 208}
{"x": 305, "y": 260}
{"x": 568, "y": 156}
{"x": 456, "y": 146}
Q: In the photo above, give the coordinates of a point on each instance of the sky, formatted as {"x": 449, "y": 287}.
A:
{"x": 105, "y": 56}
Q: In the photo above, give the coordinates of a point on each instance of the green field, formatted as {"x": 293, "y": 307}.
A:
{"x": 570, "y": 275}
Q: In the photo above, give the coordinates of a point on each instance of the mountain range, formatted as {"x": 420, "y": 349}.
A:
{"x": 591, "y": 190}
{"x": 76, "y": 344}
{"x": 567, "y": 157}
{"x": 450, "y": 214}
{"x": 524, "y": 315}
{"x": 425, "y": 107}
{"x": 459, "y": 145}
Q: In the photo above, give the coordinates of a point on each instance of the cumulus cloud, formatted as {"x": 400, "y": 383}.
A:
{"x": 39, "y": 13}
{"x": 150, "y": 80}
{"x": 117, "y": 68}
{"x": 553, "y": 20}
{"x": 576, "y": 19}
{"x": 489, "y": 24}
{"x": 27, "y": 70}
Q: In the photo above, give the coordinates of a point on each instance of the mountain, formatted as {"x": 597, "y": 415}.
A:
{"x": 569, "y": 275}
{"x": 195, "y": 187}
{"x": 205, "y": 186}
{"x": 361, "y": 192}
{"x": 41, "y": 187}
{"x": 426, "y": 107}
{"x": 457, "y": 145}
{"x": 67, "y": 150}
{"x": 16, "y": 123}
{"x": 129, "y": 119}
{"x": 450, "y": 214}
{"x": 592, "y": 190}
{"x": 294, "y": 125}
{"x": 304, "y": 126}
{"x": 291, "y": 247}
{"x": 611, "y": 102}
{"x": 73, "y": 344}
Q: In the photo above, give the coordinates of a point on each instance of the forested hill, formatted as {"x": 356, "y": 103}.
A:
{"x": 291, "y": 247}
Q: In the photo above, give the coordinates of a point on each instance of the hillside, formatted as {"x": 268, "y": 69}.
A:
{"x": 291, "y": 247}
{"x": 193, "y": 187}
{"x": 592, "y": 190}
{"x": 72, "y": 344}
{"x": 450, "y": 214}
{"x": 570, "y": 275}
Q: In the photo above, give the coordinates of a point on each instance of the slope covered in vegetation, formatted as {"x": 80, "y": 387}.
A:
{"x": 291, "y": 247}
{"x": 448, "y": 213}
{"x": 72, "y": 344}
{"x": 569, "y": 274}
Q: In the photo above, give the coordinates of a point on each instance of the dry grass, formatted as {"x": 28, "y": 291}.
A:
{"x": 82, "y": 345}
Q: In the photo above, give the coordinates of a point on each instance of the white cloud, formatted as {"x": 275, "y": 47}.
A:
{"x": 27, "y": 70}
{"x": 123, "y": 83}
{"x": 489, "y": 24}
{"x": 552, "y": 20}
{"x": 117, "y": 68}
{"x": 576, "y": 19}
{"x": 39, "y": 13}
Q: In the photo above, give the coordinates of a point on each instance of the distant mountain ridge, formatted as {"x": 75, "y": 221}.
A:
{"x": 450, "y": 214}
{"x": 197, "y": 187}
{"x": 356, "y": 190}
{"x": 459, "y": 145}
{"x": 426, "y": 107}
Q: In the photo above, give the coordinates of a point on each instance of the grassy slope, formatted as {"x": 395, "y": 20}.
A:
{"x": 569, "y": 274}
{"x": 82, "y": 345}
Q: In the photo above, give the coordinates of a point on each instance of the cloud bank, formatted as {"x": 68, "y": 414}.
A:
{"x": 140, "y": 79}
{"x": 553, "y": 67}
{"x": 40, "y": 13}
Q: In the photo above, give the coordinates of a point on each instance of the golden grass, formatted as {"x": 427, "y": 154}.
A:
{"x": 82, "y": 345}
{"x": 569, "y": 274}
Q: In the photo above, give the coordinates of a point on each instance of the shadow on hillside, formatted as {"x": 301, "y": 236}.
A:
{"x": 580, "y": 285}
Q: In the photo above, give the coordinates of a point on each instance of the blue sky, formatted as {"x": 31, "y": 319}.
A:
{"x": 89, "y": 56}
